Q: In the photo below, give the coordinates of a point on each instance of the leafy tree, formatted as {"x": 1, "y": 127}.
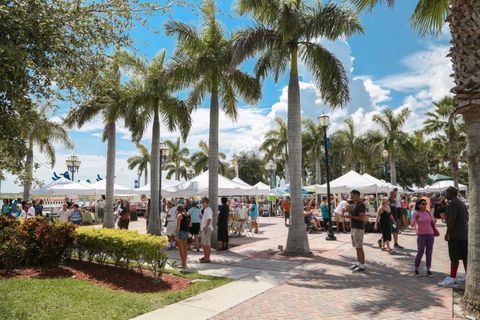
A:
{"x": 275, "y": 144}
{"x": 203, "y": 61}
{"x": 286, "y": 31}
{"x": 251, "y": 167}
{"x": 151, "y": 96}
{"x": 140, "y": 161}
{"x": 463, "y": 19}
{"x": 313, "y": 143}
{"x": 200, "y": 159}
{"x": 177, "y": 161}
{"x": 42, "y": 133}
{"x": 445, "y": 119}
{"x": 350, "y": 144}
{"x": 392, "y": 124}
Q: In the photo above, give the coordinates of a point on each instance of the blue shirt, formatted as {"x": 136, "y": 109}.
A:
{"x": 254, "y": 212}
{"x": 325, "y": 213}
{"x": 194, "y": 214}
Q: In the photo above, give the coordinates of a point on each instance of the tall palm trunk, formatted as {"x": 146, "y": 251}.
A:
{"x": 213, "y": 159}
{"x": 393, "y": 170}
{"x": 318, "y": 169}
{"x": 108, "y": 221}
{"x": 297, "y": 241}
{"x": 154, "y": 218}
{"x": 464, "y": 23}
{"x": 146, "y": 174}
{"x": 452, "y": 142}
{"x": 287, "y": 170}
{"x": 27, "y": 184}
{"x": 177, "y": 172}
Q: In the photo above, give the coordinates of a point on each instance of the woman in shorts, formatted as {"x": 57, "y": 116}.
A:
{"x": 182, "y": 231}
{"x": 195, "y": 216}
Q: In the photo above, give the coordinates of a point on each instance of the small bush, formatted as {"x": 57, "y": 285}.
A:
{"x": 123, "y": 247}
{"x": 12, "y": 244}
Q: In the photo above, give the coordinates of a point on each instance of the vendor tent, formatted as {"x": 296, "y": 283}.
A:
{"x": 100, "y": 187}
{"x": 350, "y": 181}
{"x": 238, "y": 180}
{"x": 262, "y": 189}
{"x": 165, "y": 185}
{"x": 440, "y": 186}
{"x": 384, "y": 186}
{"x": 198, "y": 186}
{"x": 63, "y": 187}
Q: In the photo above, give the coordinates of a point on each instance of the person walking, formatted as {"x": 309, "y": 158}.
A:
{"x": 358, "y": 216}
{"x": 253, "y": 212}
{"x": 385, "y": 221}
{"x": 206, "y": 229}
{"x": 456, "y": 235}
{"x": 101, "y": 208}
{"x": 286, "y": 210}
{"x": 195, "y": 217}
{"x": 182, "y": 231}
{"x": 424, "y": 223}
{"x": 222, "y": 223}
{"x": 396, "y": 212}
{"x": 325, "y": 212}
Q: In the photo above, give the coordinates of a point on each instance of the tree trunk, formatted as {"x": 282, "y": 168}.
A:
{"x": 108, "y": 221}
{"x": 297, "y": 240}
{"x": 154, "y": 218}
{"x": 213, "y": 159}
{"x": 146, "y": 174}
{"x": 318, "y": 169}
{"x": 287, "y": 169}
{"x": 27, "y": 183}
{"x": 464, "y": 21}
{"x": 393, "y": 171}
{"x": 452, "y": 141}
{"x": 177, "y": 172}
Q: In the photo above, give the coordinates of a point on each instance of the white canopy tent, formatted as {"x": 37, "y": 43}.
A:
{"x": 63, "y": 187}
{"x": 100, "y": 187}
{"x": 238, "y": 180}
{"x": 198, "y": 186}
{"x": 350, "y": 181}
{"x": 262, "y": 189}
{"x": 165, "y": 185}
{"x": 385, "y": 186}
{"x": 440, "y": 186}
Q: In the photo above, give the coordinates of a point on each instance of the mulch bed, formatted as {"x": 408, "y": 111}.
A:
{"x": 107, "y": 276}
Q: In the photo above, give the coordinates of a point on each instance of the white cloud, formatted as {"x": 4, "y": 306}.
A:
{"x": 377, "y": 94}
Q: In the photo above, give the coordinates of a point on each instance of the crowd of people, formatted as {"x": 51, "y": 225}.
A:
{"x": 19, "y": 209}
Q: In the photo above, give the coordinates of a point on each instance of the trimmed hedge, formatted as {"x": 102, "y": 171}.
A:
{"x": 123, "y": 247}
{"x": 34, "y": 243}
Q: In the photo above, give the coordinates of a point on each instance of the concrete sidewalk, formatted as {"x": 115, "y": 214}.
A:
{"x": 270, "y": 286}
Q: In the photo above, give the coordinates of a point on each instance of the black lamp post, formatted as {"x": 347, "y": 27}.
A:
{"x": 73, "y": 164}
{"x": 163, "y": 156}
{"x": 324, "y": 122}
{"x": 271, "y": 167}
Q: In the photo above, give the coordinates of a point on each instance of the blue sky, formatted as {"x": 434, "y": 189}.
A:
{"x": 388, "y": 66}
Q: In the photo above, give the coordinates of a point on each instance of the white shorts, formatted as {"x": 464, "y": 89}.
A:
{"x": 171, "y": 228}
{"x": 357, "y": 238}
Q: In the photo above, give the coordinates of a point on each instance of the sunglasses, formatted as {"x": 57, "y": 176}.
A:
{"x": 423, "y": 203}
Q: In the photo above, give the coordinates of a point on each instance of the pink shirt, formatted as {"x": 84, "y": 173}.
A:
{"x": 424, "y": 222}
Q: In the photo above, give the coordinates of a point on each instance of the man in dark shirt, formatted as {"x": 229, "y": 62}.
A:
{"x": 456, "y": 235}
{"x": 357, "y": 216}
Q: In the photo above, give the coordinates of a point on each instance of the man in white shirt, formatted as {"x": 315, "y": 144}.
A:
{"x": 206, "y": 228}
{"x": 30, "y": 211}
{"x": 340, "y": 213}
{"x": 171, "y": 221}
{"x": 101, "y": 208}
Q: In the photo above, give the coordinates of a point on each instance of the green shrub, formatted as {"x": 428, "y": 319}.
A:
{"x": 12, "y": 244}
{"x": 123, "y": 247}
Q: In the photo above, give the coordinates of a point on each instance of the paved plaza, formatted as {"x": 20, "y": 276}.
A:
{"x": 270, "y": 286}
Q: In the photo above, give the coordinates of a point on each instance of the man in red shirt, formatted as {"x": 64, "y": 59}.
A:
{"x": 286, "y": 210}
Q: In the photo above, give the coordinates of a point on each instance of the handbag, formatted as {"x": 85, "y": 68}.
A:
{"x": 436, "y": 233}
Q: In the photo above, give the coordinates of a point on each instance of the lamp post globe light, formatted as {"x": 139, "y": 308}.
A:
{"x": 73, "y": 164}
{"x": 324, "y": 121}
{"x": 270, "y": 167}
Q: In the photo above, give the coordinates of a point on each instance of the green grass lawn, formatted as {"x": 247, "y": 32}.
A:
{"x": 77, "y": 299}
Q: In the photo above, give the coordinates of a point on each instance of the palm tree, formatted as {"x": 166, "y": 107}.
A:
{"x": 140, "y": 161}
{"x": 203, "y": 61}
{"x": 313, "y": 143}
{"x": 445, "y": 119}
{"x": 200, "y": 159}
{"x": 286, "y": 31}
{"x": 275, "y": 143}
{"x": 150, "y": 87}
{"x": 177, "y": 161}
{"x": 392, "y": 124}
{"x": 462, "y": 16}
{"x": 42, "y": 133}
{"x": 350, "y": 142}
{"x": 108, "y": 99}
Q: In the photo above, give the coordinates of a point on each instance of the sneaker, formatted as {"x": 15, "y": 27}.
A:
{"x": 358, "y": 269}
{"x": 398, "y": 246}
{"x": 353, "y": 266}
{"x": 429, "y": 274}
{"x": 416, "y": 273}
{"x": 448, "y": 282}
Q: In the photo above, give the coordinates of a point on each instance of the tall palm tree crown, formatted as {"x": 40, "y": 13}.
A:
{"x": 140, "y": 161}
{"x": 392, "y": 122}
{"x": 108, "y": 100}
{"x": 203, "y": 61}
{"x": 284, "y": 32}
{"x": 275, "y": 143}
{"x": 199, "y": 159}
{"x": 151, "y": 91}
{"x": 177, "y": 160}
{"x": 350, "y": 142}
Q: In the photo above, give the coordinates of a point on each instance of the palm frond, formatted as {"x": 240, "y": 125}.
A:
{"x": 429, "y": 16}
